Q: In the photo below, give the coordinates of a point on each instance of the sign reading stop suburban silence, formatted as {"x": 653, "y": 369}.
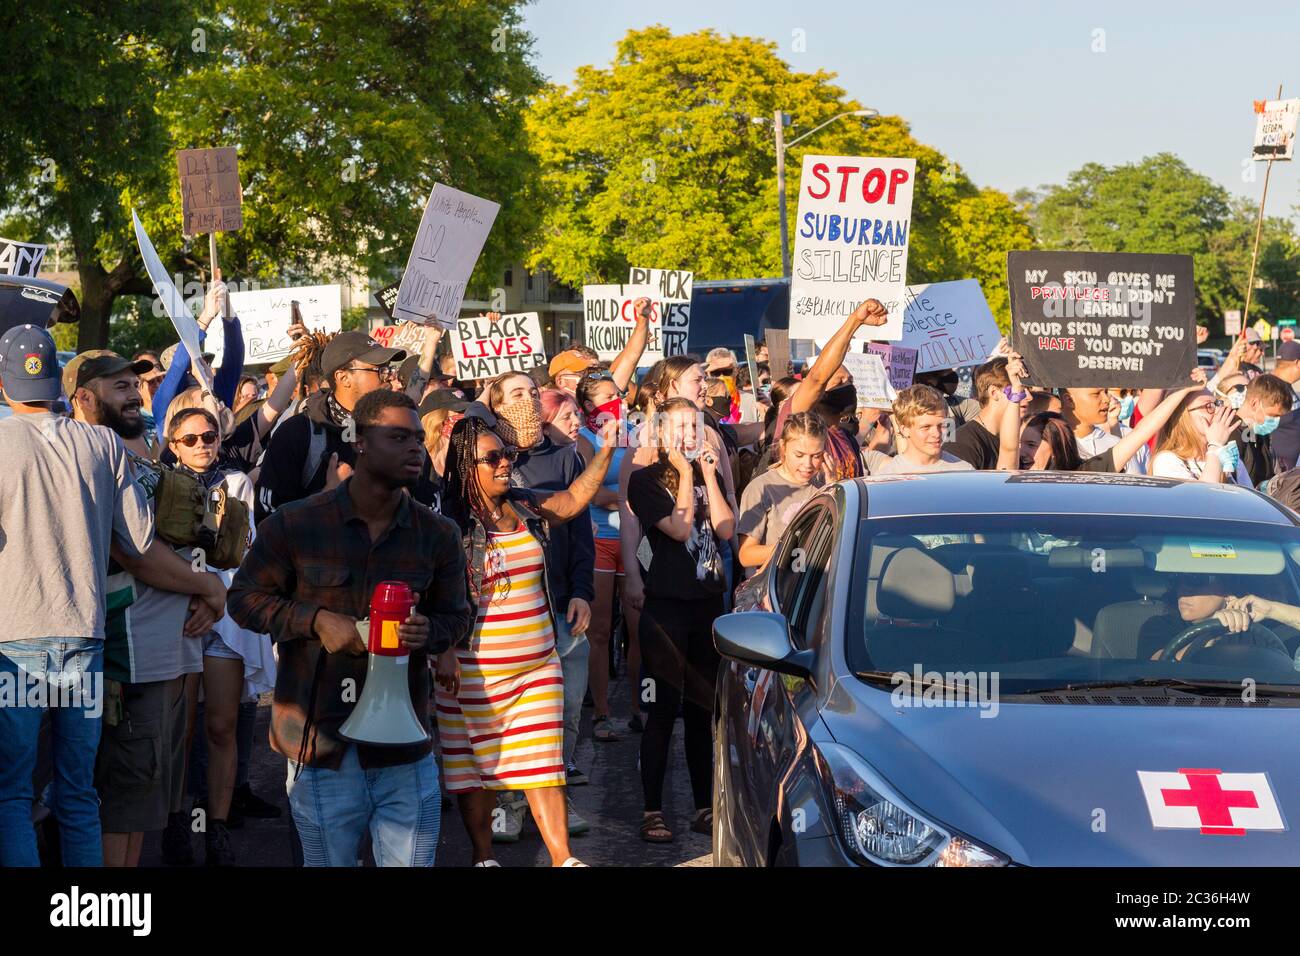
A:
{"x": 608, "y": 319}
{"x": 486, "y": 349}
{"x": 850, "y": 243}
{"x": 673, "y": 288}
{"x": 1103, "y": 319}
{"x": 211, "y": 197}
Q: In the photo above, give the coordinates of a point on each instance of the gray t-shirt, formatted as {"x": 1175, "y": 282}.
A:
{"x": 65, "y": 494}
{"x": 898, "y": 465}
{"x": 769, "y": 503}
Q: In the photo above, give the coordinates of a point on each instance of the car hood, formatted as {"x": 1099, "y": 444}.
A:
{"x": 1058, "y": 784}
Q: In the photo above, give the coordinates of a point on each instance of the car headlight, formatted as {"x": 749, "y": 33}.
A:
{"x": 878, "y": 827}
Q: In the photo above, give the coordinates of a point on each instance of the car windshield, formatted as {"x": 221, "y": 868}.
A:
{"x": 1054, "y": 602}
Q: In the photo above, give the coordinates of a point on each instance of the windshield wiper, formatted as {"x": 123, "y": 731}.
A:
{"x": 1226, "y": 687}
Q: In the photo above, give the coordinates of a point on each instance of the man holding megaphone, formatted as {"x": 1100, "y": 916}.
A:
{"x": 361, "y": 567}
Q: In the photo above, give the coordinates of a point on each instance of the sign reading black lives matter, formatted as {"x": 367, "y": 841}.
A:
{"x": 1103, "y": 319}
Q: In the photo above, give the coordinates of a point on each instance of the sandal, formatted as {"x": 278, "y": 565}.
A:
{"x": 602, "y": 729}
{"x": 703, "y": 822}
{"x": 655, "y": 830}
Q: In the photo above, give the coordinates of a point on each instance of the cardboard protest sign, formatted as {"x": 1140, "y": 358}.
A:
{"x": 173, "y": 304}
{"x": 387, "y": 297}
{"x": 486, "y": 349}
{"x": 855, "y": 217}
{"x": 265, "y": 316}
{"x": 870, "y": 380}
{"x": 404, "y": 335}
{"x": 949, "y": 324}
{"x": 900, "y": 362}
{"x": 452, "y": 232}
{"x": 1103, "y": 319}
{"x": 1275, "y": 128}
{"x": 609, "y": 320}
{"x": 20, "y": 258}
{"x": 211, "y": 197}
{"x": 673, "y": 289}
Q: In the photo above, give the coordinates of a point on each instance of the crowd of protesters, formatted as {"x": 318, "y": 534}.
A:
{"x": 548, "y": 525}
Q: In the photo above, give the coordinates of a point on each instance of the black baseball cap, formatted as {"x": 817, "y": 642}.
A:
{"x": 347, "y": 347}
{"x": 443, "y": 398}
{"x": 29, "y": 365}
{"x": 1288, "y": 351}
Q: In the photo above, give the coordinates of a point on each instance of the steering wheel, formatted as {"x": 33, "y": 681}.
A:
{"x": 1202, "y": 631}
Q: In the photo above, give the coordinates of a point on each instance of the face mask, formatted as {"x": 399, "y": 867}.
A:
{"x": 720, "y": 405}
{"x": 603, "y": 413}
{"x": 1126, "y": 406}
{"x": 1267, "y": 426}
{"x": 841, "y": 397}
{"x": 520, "y": 423}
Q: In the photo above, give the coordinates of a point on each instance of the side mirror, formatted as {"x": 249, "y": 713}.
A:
{"x": 761, "y": 639}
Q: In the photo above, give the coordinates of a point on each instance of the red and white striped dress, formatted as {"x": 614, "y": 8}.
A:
{"x": 504, "y": 730}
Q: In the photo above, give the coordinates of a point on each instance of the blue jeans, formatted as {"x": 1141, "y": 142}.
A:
{"x": 56, "y": 665}
{"x": 401, "y": 806}
{"x": 573, "y": 662}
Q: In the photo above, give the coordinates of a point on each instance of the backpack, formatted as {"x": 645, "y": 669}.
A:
{"x": 186, "y": 515}
{"x": 315, "y": 452}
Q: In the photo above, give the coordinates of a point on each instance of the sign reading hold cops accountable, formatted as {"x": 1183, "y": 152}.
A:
{"x": 1103, "y": 319}
{"x": 949, "y": 324}
{"x": 673, "y": 289}
{"x": 608, "y": 319}
{"x": 452, "y": 232}
{"x": 486, "y": 349}
{"x": 855, "y": 216}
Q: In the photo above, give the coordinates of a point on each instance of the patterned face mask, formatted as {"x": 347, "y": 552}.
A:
{"x": 520, "y": 423}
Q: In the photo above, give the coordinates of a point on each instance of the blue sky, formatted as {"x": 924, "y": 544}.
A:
{"x": 1011, "y": 90}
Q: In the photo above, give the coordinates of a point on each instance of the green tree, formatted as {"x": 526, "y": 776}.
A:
{"x": 658, "y": 160}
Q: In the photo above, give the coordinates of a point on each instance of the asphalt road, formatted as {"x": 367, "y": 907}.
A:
{"x": 611, "y": 803}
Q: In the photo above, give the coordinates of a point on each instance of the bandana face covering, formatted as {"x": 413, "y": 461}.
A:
{"x": 520, "y": 423}
{"x": 612, "y": 409}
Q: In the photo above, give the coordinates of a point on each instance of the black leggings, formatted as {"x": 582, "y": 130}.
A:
{"x": 678, "y": 659}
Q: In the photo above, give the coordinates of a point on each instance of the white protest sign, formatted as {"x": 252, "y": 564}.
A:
{"x": 486, "y": 349}
{"x": 173, "y": 304}
{"x": 1232, "y": 322}
{"x": 673, "y": 288}
{"x": 266, "y": 314}
{"x": 949, "y": 324}
{"x": 855, "y": 217}
{"x": 1275, "y": 129}
{"x": 20, "y": 258}
{"x": 609, "y": 320}
{"x": 452, "y": 232}
{"x": 870, "y": 380}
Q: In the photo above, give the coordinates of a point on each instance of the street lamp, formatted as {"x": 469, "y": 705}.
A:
{"x": 779, "y": 122}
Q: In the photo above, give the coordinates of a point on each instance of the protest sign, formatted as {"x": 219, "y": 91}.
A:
{"x": 211, "y": 197}
{"x": 404, "y": 335}
{"x": 265, "y": 316}
{"x": 1275, "y": 128}
{"x": 900, "y": 362}
{"x": 1103, "y": 319}
{"x": 1232, "y": 322}
{"x": 608, "y": 320}
{"x": 486, "y": 349}
{"x": 870, "y": 380}
{"x": 173, "y": 304}
{"x": 949, "y": 324}
{"x": 20, "y": 258}
{"x": 452, "y": 232}
{"x": 673, "y": 289}
{"x": 855, "y": 216}
{"x": 387, "y": 297}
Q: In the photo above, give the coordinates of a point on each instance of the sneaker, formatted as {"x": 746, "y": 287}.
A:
{"x": 577, "y": 825}
{"x": 250, "y": 804}
{"x": 574, "y": 777}
{"x": 176, "y": 847}
{"x": 508, "y": 817}
{"x": 573, "y": 861}
{"x": 217, "y": 841}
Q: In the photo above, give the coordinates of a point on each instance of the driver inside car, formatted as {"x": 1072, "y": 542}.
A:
{"x": 1202, "y": 598}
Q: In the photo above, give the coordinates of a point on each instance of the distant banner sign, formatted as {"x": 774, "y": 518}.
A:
{"x": 266, "y": 314}
{"x": 949, "y": 324}
{"x": 609, "y": 320}
{"x": 20, "y": 258}
{"x": 851, "y": 235}
{"x": 870, "y": 380}
{"x": 387, "y": 297}
{"x": 211, "y": 197}
{"x": 486, "y": 349}
{"x": 173, "y": 304}
{"x": 1232, "y": 322}
{"x": 900, "y": 362}
{"x": 1275, "y": 128}
{"x": 404, "y": 335}
{"x": 673, "y": 288}
{"x": 1103, "y": 319}
{"x": 452, "y": 232}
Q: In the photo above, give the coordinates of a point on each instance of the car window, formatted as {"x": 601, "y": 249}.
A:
{"x": 804, "y": 610}
{"x": 791, "y": 560}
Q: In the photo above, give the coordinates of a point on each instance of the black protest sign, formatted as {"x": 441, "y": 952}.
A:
{"x": 387, "y": 297}
{"x": 1103, "y": 319}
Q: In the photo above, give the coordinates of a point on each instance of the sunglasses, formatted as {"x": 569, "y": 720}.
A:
{"x": 497, "y": 455}
{"x": 189, "y": 441}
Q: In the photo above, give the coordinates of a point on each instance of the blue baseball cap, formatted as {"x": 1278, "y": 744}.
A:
{"x": 29, "y": 365}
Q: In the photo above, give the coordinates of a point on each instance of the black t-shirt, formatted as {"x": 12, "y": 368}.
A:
{"x": 679, "y": 570}
{"x": 975, "y": 444}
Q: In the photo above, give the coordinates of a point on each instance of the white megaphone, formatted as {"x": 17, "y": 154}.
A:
{"x": 384, "y": 716}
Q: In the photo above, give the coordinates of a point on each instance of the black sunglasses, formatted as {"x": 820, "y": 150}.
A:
{"x": 498, "y": 455}
{"x": 189, "y": 441}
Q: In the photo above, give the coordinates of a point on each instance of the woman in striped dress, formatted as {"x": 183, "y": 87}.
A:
{"x": 500, "y": 694}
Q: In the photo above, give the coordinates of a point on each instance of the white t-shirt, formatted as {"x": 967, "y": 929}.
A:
{"x": 898, "y": 465}
{"x": 1169, "y": 465}
{"x": 1092, "y": 445}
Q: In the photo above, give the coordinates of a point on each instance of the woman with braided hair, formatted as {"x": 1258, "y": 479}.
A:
{"x": 500, "y": 692}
